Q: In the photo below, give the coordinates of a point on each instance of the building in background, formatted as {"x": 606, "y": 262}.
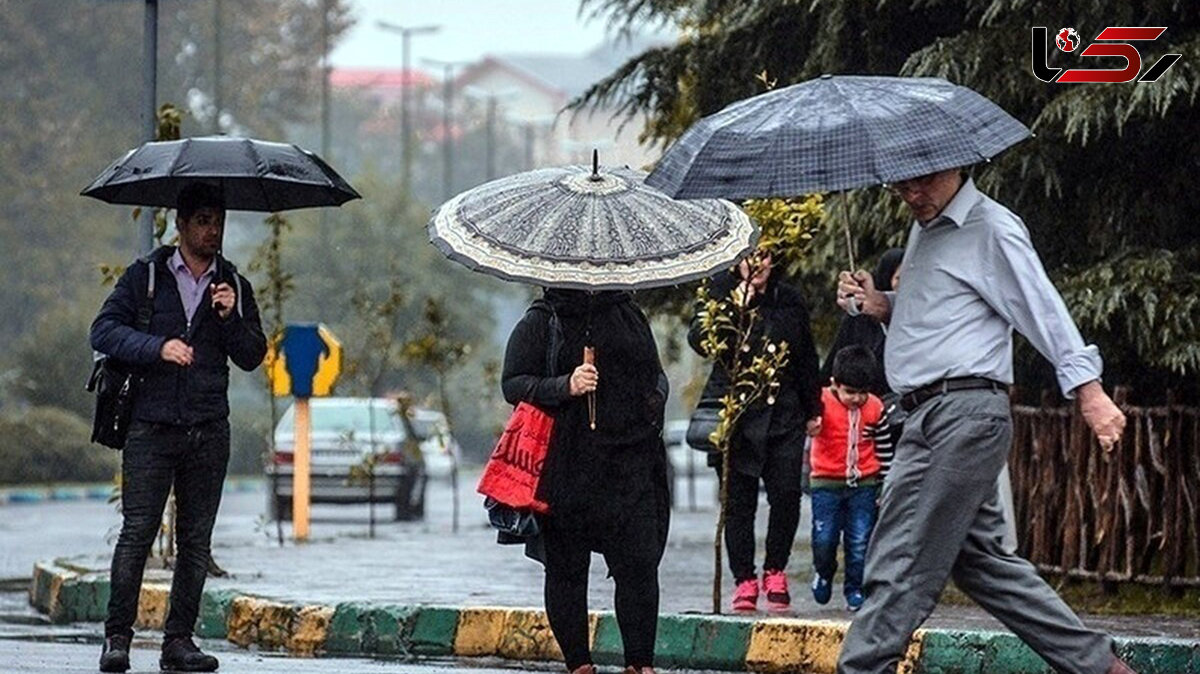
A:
{"x": 507, "y": 115}
{"x": 533, "y": 90}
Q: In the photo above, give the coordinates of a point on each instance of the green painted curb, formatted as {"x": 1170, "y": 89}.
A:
{"x": 364, "y": 628}
{"x": 433, "y": 630}
{"x": 213, "y": 621}
{"x": 721, "y": 642}
{"x": 607, "y": 648}
{"x": 83, "y": 599}
{"x": 685, "y": 641}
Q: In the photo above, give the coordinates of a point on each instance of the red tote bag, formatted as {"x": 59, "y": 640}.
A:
{"x": 512, "y": 473}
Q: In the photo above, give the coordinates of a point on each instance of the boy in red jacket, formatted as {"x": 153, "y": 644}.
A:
{"x": 847, "y": 471}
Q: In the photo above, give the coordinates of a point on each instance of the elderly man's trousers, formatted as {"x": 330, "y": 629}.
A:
{"x": 940, "y": 518}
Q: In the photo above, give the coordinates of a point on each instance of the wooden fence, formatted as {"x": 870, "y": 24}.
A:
{"x": 1128, "y": 515}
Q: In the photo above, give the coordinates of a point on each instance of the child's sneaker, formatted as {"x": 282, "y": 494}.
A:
{"x": 745, "y": 595}
{"x": 822, "y": 590}
{"x": 854, "y": 600}
{"x": 775, "y": 585}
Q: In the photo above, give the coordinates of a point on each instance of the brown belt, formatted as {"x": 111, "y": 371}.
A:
{"x": 913, "y": 399}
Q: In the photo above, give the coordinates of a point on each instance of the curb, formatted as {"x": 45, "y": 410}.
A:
{"x": 685, "y": 641}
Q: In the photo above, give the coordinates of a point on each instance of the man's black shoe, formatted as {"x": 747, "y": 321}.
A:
{"x": 181, "y": 655}
{"x": 115, "y": 656}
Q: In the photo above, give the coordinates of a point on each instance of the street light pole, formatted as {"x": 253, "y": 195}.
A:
{"x": 406, "y": 33}
{"x": 491, "y": 137}
{"x": 447, "y": 122}
{"x": 145, "y": 229}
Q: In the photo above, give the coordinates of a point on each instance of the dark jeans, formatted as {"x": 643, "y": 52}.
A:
{"x": 781, "y": 477}
{"x": 848, "y": 514}
{"x": 192, "y": 459}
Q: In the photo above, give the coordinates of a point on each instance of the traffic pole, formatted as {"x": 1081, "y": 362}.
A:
{"x": 301, "y": 481}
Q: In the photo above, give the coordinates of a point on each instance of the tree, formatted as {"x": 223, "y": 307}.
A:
{"x": 1104, "y": 186}
{"x": 376, "y": 253}
{"x": 71, "y": 105}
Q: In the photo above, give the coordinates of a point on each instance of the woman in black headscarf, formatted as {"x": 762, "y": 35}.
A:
{"x": 865, "y": 331}
{"x": 606, "y": 486}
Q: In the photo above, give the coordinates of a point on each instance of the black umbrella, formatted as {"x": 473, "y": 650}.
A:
{"x": 253, "y": 175}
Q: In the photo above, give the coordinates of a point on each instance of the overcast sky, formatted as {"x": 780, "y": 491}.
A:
{"x": 469, "y": 30}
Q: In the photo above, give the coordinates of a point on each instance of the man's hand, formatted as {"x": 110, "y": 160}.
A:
{"x": 813, "y": 428}
{"x": 859, "y": 288}
{"x": 223, "y": 299}
{"x": 583, "y": 379}
{"x": 1102, "y": 415}
{"x": 176, "y": 351}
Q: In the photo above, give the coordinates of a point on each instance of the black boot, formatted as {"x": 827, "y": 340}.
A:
{"x": 115, "y": 656}
{"x": 180, "y": 654}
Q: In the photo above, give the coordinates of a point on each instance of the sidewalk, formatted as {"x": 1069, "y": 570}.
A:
{"x": 418, "y": 588}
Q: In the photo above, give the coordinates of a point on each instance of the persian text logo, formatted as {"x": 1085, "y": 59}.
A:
{"x": 1112, "y": 41}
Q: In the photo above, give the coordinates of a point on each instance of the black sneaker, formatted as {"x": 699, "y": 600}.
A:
{"x": 115, "y": 655}
{"x": 180, "y": 654}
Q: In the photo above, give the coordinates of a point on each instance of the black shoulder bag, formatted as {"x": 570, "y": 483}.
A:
{"x": 115, "y": 383}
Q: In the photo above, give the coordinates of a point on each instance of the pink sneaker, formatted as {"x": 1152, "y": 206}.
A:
{"x": 745, "y": 595}
{"x": 776, "y": 586}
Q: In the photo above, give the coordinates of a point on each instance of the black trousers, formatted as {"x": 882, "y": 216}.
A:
{"x": 634, "y": 570}
{"x": 781, "y": 477}
{"x": 192, "y": 459}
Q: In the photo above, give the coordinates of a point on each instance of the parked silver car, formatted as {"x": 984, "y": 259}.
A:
{"x": 345, "y": 434}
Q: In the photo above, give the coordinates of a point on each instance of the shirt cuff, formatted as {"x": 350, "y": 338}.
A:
{"x": 1078, "y": 368}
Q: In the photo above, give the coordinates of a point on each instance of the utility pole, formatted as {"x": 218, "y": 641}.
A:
{"x": 145, "y": 229}
{"x": 529, "y": 138}
{"x": 326, "y": 142}
{"x": 218, "y": 67}
{"x": 406, "y": 33}
{"x": 447, "y": 123}
{"x": 491, "y": 137}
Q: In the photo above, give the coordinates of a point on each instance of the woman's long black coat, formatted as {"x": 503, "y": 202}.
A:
{"x": 593, "y": 480}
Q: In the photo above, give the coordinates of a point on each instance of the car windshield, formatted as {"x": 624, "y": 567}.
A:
{"x": 427, "y": 427}
{"x": 360, "y": 418}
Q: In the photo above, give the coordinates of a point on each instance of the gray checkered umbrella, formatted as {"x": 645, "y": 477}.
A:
{"x": 835, "y": 133}
{"x": 589, "y": 229}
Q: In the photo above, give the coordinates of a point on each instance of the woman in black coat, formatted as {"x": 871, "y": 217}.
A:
{"x": 606, "y": 488}
{"x": 768, "y": 442}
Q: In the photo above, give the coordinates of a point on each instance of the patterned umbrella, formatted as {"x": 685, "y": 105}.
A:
{"x": 597, "y": 229}
{"x": 835, "y": 133}
{"x": 253, "y": 175}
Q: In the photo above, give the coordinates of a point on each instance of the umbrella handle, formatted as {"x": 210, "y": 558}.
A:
{"x": 589, "y": 358}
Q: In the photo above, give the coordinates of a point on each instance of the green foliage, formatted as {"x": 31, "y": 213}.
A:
{"x": 1111, "y": 168}
{"x": 48, "y": 444}
{"x": 1149, "y": 298}
{"x": 398, "y": 306}
{"x": 53, "y": 361}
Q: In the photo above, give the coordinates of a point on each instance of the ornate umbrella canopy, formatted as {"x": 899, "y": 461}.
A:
{"x": 834, "y": 133}
{"x": 597, "y": 229}
{"x": 253, "y": 175}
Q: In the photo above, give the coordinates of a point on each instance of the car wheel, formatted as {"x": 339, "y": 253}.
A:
{"x": 281, "y": 508}
{"x": 403, "y": 499}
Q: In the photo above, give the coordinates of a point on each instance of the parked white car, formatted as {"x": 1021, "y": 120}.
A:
{"x": 344, "y": 433}
{"x": 685, "y": 460}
